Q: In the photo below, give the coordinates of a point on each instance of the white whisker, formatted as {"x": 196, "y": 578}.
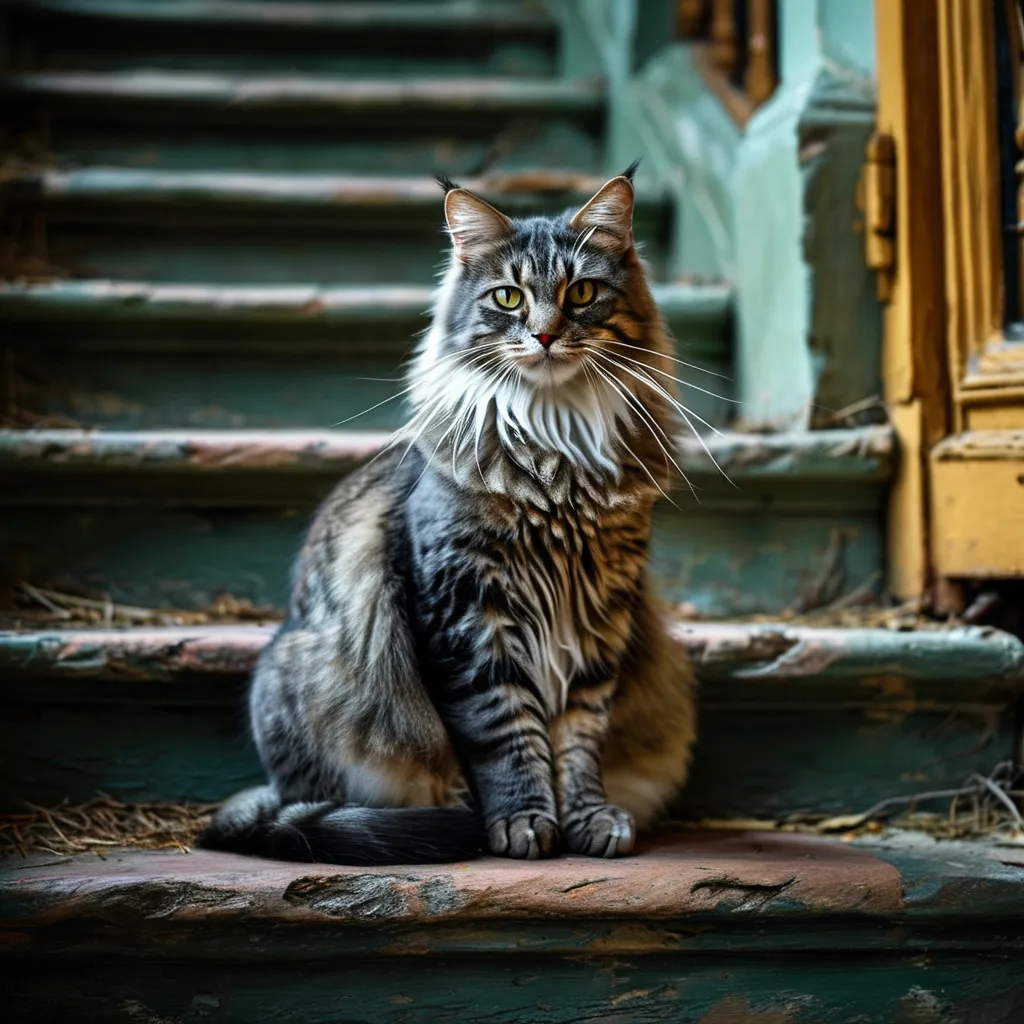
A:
{"x": 683, "y": 411}
{"x": 646, "y": 378}
{"x": 650, "y": 422}
{"x": 678, "y": 380}
{"x": 692, "y": 366}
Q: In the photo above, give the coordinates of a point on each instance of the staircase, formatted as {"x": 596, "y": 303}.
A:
{"x": 221, "y": 231}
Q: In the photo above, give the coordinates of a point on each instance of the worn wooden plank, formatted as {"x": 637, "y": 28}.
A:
{"x": 273, "y": 16}
{"x": 374, "y": 195}
{"x": 286, "y": 95}
{"x": 268, "y": 228}
{"x": 656, "y": 989}
{"x": 793, "y": 719}
{"x": 296, "y": 122}
{"x": 462, "y": 147}
{"x": 187, "y": 451}
{"x": 139, "y": 355}
{"x": 725, "y": 557}
{"x": 756, "y": 654}
{"x": 106, "y": 301}
{"x": 862, "y": 454}
{"x": 243, "y": 378}
{"x": 677, "y": 934}
{"x": 761, "y": 759}
{"x": 681, "y": 874}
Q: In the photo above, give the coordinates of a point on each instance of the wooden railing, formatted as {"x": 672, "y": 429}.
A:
{"x": 741, "y": 38}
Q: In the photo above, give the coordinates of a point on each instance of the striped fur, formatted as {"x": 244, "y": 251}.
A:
{"x": 473, "y": 656}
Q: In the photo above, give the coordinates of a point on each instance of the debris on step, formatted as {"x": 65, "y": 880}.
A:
{"x": 984, "y": 807}
{"x": 859, "y": 609}
{"x": 102, "y": 824}
{"x": 39, "y": 605}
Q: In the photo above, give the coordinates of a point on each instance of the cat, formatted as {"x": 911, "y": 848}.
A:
{"x": 473, "y": 657}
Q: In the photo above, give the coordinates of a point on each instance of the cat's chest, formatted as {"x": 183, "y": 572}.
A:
{"x": 568, "y": 580}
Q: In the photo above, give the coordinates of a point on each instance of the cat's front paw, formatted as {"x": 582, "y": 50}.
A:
{"x": 601, "y": 831}
{"x": 525, "y": 835}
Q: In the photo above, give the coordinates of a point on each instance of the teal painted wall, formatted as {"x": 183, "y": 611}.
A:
{"x": 809, "y": 324}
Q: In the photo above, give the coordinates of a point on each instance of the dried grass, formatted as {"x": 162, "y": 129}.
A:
{"x": 984, "y": 807}
{"x": 101, "y": 825}
{"x": 858, "y": 609}
{"x": 38, "y": 605}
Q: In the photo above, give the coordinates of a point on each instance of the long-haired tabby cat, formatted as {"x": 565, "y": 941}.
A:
{"x": 473, "y": 656}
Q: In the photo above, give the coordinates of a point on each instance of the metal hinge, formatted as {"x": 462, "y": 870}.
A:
{"x": 876, "y": 196}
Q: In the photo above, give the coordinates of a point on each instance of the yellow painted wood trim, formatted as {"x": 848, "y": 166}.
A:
{"x": 907, "y": 543}
{"x": 914, "y": 367}
{"x": 1007, "y": 393}
{"x": 977, "y": 487}
{"x": 970, "y": 184}
{"x": 996, "y": 417}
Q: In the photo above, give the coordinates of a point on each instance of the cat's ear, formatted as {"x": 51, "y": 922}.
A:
{"x": 473, "y": 224}
{"x": 609, "y": 215}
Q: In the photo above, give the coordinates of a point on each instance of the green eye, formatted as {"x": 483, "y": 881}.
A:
{"x": 508, "y": 298}
{"x": 582, "y": 293}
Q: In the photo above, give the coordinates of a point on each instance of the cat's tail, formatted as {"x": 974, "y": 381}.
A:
{"x": 255, "y": 822}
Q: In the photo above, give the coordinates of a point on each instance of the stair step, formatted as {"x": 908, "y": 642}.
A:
{"x": 129, "y": 194}
{"x": 364, "y": 38}
{"x": 99, "y": 467}
{"x": 321, "y": 97}
{"x": 460, "y": 126}
{"x": 172, "y": 519}
{"x": 705, "y": 926}
{"x": 262, "y": 228}
{"x": 793, "y": 718}
{"x": 111, "y": 302}
{"x": 225, "y": 357}
{"x": 702, "y": 926}
{"x": 740, "y": 661}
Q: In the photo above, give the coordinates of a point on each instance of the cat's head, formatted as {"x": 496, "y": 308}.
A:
{"x": 546, "y": 343}
{"x": 542, "y": 293}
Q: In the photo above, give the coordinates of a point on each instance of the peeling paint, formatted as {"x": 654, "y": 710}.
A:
{"x": 287, "y": 94}
{"x": 819, "y": 455}
{"x": 760, "y": 652}
{"x": 739, "y": 895}
{"x": 737, "y": 1010}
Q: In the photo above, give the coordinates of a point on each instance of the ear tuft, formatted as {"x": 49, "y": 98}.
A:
{"x": 473, "y": 224}
{"x": 446, "y": 183}
{"x": 610, "y": 213}
{"x": 630, "y": 171}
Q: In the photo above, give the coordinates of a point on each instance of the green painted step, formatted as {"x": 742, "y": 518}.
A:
{"x": 321, "y": 97}
{"x": 314, "y": 122}
{"x": 175, "y": 467}
{"x": 354, "y": 38}
{"x": 700, "y": 927}
{"x": 326, "y": 199}
{"x": 115, "y": 302}
{"x": 138, "y": 355}
{"x": 261, "y": 228}
{"x": 793, "y": 718}
{"x": 171, "y": 519}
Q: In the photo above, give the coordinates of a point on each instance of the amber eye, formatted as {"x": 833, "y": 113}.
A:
{"x": 508, "y": 298}
{"x": 582, "y": 293}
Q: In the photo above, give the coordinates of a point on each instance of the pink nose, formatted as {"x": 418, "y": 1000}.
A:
{"x": 545, "y": 339}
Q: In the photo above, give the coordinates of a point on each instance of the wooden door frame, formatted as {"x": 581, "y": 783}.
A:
{"x": 915, "y": 371}
{"x": 953, "y": 384}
